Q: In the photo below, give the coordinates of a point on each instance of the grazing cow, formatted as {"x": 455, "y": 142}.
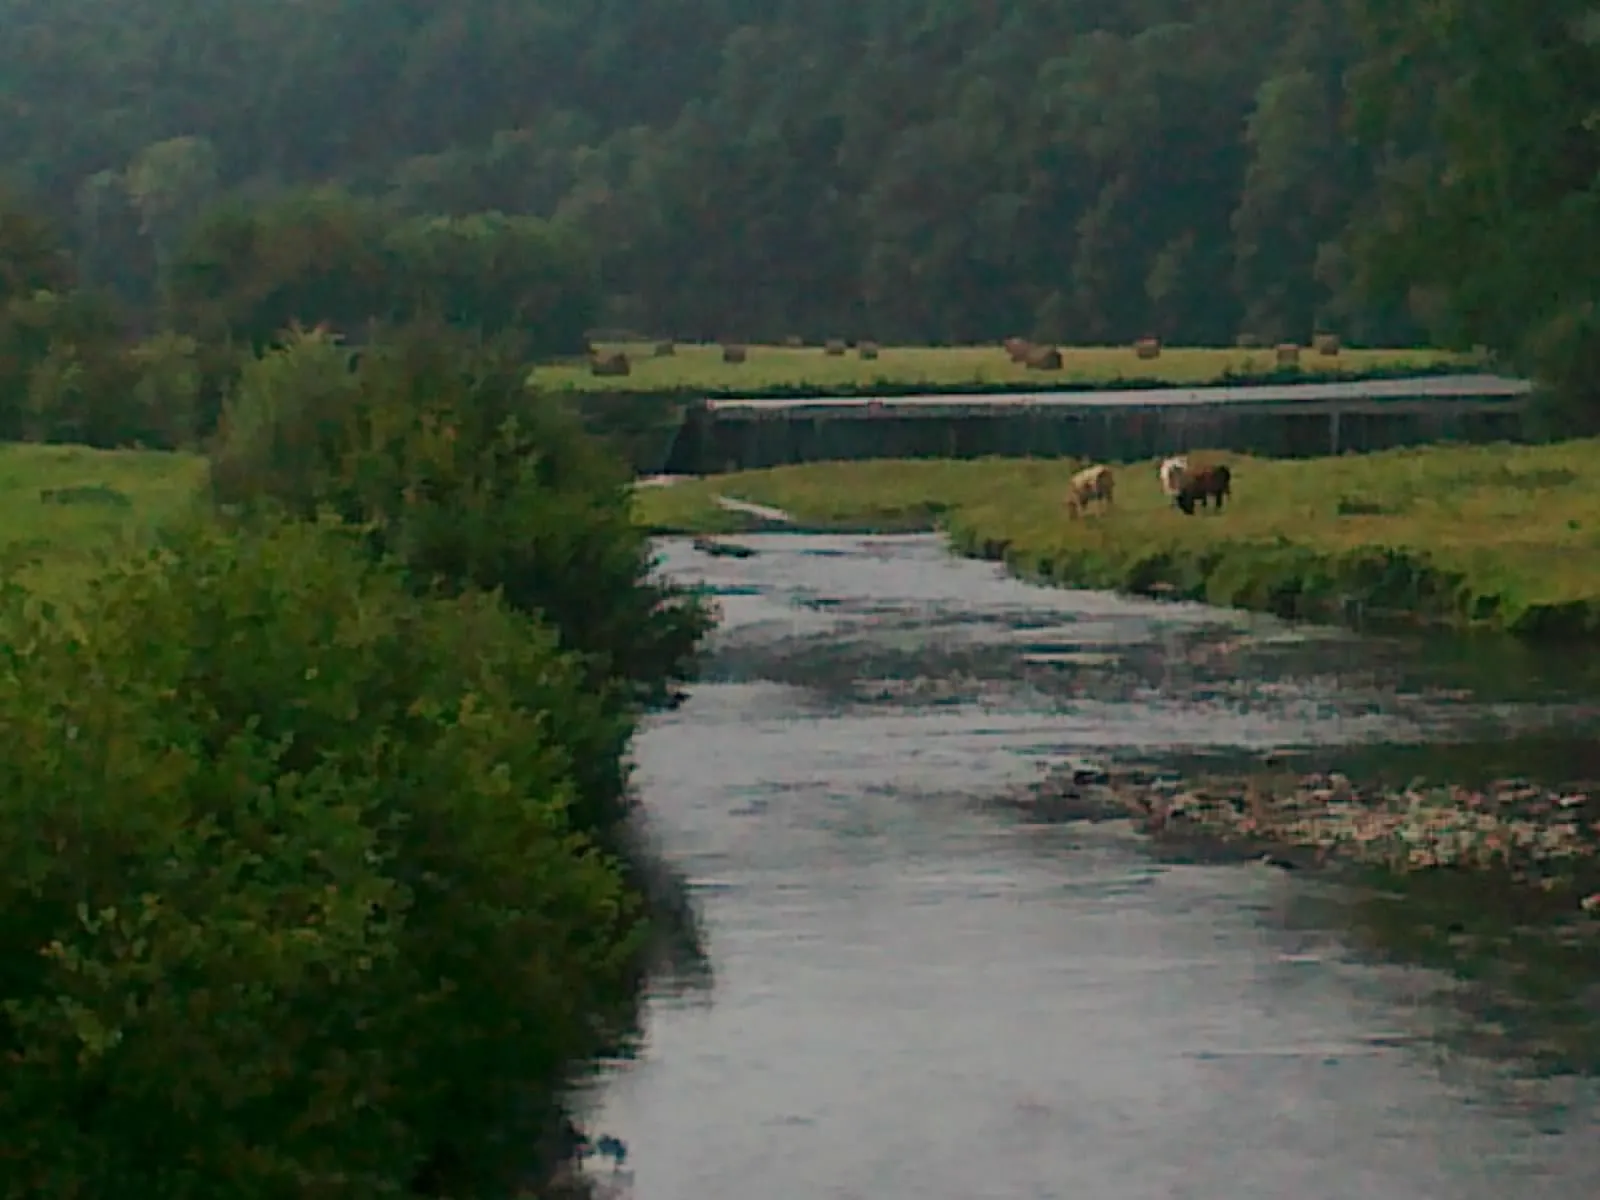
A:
{"x": 1212, "y": 483}
{"x": 1173, "y": 472}
{"x": 1091, "y": 483}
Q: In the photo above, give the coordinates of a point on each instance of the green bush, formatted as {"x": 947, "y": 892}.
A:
{"x": 161, "y": 393}
{"x": 472, "y": 480}
{"x": 280, "y": 434}
{"x": 67, "y": 374}
{"x": 293, "y": 905}
{"x": 61, "y": 375}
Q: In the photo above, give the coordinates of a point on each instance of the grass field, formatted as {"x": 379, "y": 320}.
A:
{"x": 1497, "y": 536}
{"x": 701, "y": 367}
{"x": 1503, "y": 536}
{"x": 67, "y": 506}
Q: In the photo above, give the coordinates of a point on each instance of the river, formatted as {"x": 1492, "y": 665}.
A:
{"x": 916, "y": 996}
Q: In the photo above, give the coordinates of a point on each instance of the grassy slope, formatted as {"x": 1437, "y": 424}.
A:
{"x": 1495, "y": 535}
{"x": 701, "y": 367}
{"x": 53, "y": 548}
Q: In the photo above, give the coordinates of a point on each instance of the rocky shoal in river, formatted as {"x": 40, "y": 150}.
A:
{"x": 1535, "y": 835}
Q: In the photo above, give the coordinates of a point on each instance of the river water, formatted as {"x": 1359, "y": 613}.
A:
{"x": 916, "y": 996}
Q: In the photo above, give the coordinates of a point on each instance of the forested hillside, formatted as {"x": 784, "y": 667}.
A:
{"x": 910, "y": 170}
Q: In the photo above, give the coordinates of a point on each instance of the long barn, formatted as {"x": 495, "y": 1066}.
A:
{"x": 1281, "y": 420}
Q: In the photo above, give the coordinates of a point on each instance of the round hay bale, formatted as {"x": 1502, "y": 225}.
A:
{"x": 665, "y": 349}
{"x": 868, "y": 350}
{"x": 1043, "y": 358}
{"x": 1247, "y": 341}
{"x": 1327, "y": 345}
{"x": 794, "y": 342}
{"x": 610, "y": 364}
{"x": 835, "y": 348}
{"x": 1287, "y": 354}
{"x": 1017, "y": 348}
{"x": 1148, "y": 348}
{"x": 734, "y": 353}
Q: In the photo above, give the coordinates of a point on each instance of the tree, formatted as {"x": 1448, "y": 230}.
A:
{"x": 1485, "y": 118}
{"x": 33, "y": 257}
{"x": 171, "y": 182}
{"x": 498, "y": 275}
{"x": 897, "y": 168}
{"x": 249, "y": 272}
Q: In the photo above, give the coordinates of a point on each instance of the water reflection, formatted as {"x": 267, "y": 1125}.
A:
{"x": 1524, "y": 971}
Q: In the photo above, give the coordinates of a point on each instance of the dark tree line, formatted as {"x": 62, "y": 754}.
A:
{"x": 918, "y": 170}
{"x": 80, "y": 363}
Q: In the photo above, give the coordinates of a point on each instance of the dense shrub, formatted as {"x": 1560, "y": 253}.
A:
{"x": 68, "y": 374}
{"x": 471, "y": 480}
{"x": 292, "y": 906}
{"x": 56, "y": 350}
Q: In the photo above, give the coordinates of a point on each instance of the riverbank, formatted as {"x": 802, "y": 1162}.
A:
{"x": 1482, "y": 537}
{"x": 700, "y": 369}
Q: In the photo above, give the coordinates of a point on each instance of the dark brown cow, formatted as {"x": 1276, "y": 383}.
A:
{"x": 1203, "y": 486}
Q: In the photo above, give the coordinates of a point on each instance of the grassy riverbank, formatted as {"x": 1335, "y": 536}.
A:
{"x": 700, "y": 367}
{"x": 1496, "y": 536}
{"x": 1504, "y": 537}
